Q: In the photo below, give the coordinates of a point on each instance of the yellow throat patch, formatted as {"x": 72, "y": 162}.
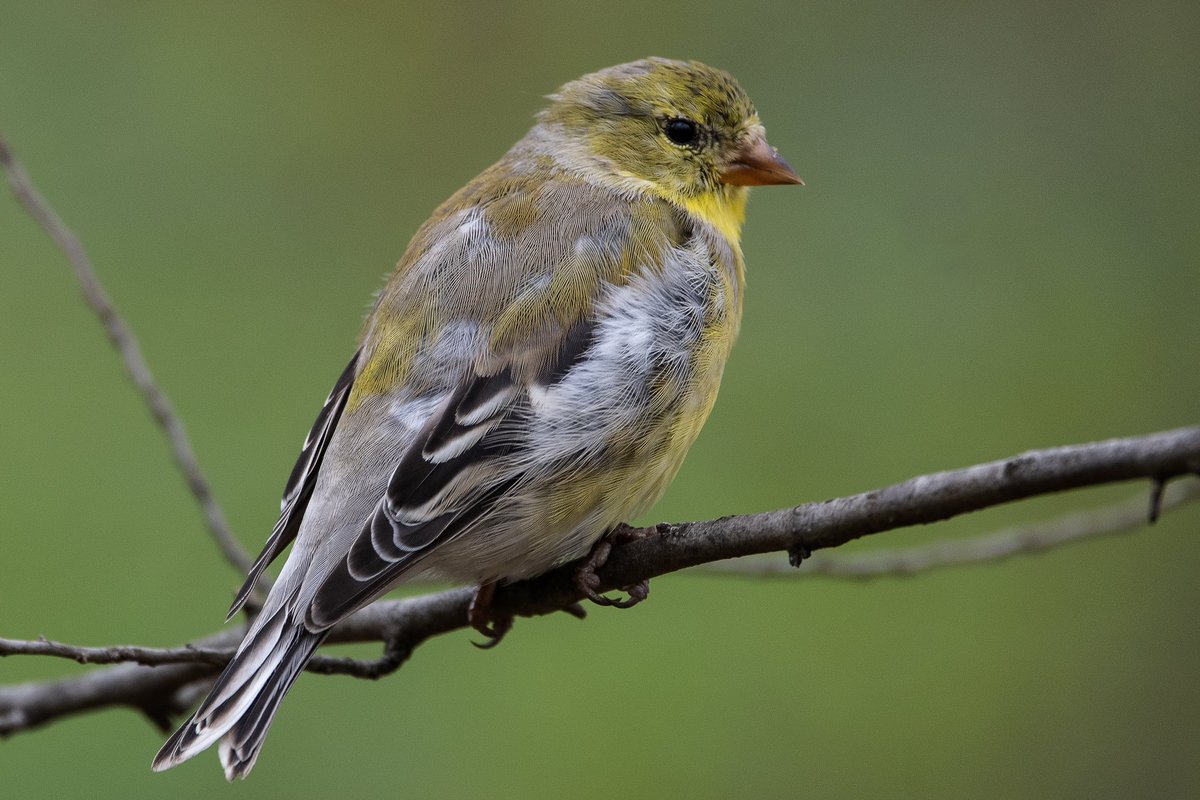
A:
{"x": 725, "y": 211}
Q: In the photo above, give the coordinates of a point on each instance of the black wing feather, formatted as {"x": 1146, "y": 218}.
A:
{"x": 395, "y": 534}
{"x": 299, "y": 488}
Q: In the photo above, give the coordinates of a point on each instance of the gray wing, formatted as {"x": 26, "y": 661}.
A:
{"x": 446, "y": 481}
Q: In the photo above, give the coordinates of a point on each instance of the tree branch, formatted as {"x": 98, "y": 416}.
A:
{"x": 402, "y": 625}
{"x": 1036, "y": 537}
{"x": 126, "y": 344}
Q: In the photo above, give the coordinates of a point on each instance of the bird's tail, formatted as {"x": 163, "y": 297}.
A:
{"x": 239, "y": 708}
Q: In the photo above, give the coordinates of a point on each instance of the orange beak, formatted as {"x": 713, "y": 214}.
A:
{"x": 756, "y": 163}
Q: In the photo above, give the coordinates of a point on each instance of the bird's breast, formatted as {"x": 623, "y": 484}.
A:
{"x": 626, "y": 414}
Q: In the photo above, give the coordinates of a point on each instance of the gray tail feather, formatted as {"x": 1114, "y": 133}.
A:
{"x": 243, "y": 701}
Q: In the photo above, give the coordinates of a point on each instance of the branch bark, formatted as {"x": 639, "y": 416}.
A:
{"x": 1035, "y": 537}
{"x": 163, "y": 691}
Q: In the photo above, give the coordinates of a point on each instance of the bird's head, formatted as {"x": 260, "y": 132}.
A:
{"x": 679, "y": 128}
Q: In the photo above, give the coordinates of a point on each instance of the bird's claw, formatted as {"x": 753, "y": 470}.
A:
{"x": 637, "y": 593}
{"x": 492, "y": 625}
{"x": 494, "y": 629}
{"x": 588, "y": 582}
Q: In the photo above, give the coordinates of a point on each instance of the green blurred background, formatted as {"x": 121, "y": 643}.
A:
{"x": 998, "y": 249}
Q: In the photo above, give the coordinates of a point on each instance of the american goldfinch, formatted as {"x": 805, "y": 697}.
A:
{"x": 531, "y": 375}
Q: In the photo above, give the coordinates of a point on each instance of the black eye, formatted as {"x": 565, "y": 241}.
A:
{"x": 681, "y": 131}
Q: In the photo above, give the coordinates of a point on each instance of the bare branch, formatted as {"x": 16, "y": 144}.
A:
{"x": 148, "y": 656}
{"x": 163, "y": 691}
{"x": 1119, "y": 518}
{"x": 193, "y": 654}
{"x": 160, "y": 693}
{"x": 122, "y": 338}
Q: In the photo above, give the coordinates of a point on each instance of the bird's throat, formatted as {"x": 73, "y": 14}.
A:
{"x": 724, "y": 209}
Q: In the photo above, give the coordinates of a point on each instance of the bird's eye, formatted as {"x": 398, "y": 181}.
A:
{"x": 681, "y": 131}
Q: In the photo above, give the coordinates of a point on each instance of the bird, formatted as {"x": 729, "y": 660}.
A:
{"x": 529, "y": 378}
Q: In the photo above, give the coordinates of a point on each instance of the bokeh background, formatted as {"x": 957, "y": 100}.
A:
{"x": 998, "y": 249}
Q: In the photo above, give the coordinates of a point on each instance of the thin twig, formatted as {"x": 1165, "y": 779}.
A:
{"x": 405, "y": 624}
{"x": 148, "y": 656}
{"x": 1036, "y": 537}
{"x": 122, "y": 338}
{"x": 393, "y": 656}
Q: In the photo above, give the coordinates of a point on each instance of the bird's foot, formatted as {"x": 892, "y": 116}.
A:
{"x": 588, "y": 582}
{"x": 483, "y": 619}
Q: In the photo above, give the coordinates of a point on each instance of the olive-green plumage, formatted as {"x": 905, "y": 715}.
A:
{"x": 532, "y": 374}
